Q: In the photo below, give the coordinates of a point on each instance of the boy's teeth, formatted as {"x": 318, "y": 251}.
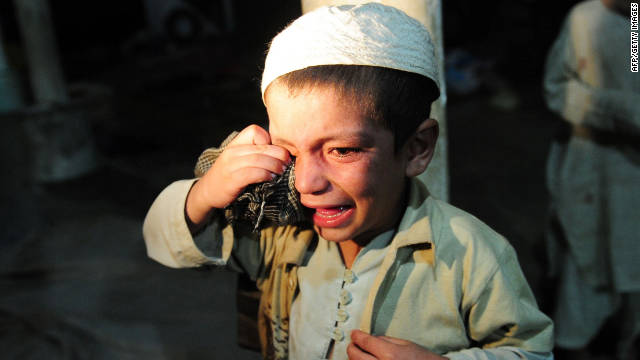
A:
{"x": 331, "y": 212}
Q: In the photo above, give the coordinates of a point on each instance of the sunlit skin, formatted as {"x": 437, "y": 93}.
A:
{"x": 346, "y": 170}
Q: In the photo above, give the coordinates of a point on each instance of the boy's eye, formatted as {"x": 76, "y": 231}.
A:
{"x": 347, "y": 151}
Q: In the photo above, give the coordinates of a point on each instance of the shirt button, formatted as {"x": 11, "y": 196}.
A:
{"x": 345, "y": 297}
{"x": 349, "y": 276}
{"x": 342, "y": 315}
{"x": 337, "y": 335}
{"x": 292, "y": 283}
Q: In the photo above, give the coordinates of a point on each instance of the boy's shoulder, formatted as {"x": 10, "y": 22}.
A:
{"x": 453, "y": 232}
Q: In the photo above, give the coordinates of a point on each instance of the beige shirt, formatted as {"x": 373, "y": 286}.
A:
{"x": 595, "y": 187}
{"x": 447, "y": 281}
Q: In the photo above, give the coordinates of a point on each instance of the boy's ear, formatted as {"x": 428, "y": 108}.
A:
{"x": 420, "y": 147}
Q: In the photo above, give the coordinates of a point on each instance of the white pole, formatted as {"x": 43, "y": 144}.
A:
{"x": 10, "y": 94}
{"x": 45, "y": 71}
{"x": 229, "y": 19}
{"x": 429, "y": 13}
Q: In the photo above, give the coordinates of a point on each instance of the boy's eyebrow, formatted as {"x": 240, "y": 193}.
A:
{"x": 363, "y": 136}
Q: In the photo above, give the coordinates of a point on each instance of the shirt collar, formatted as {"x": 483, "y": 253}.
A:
{"x": 414, "y": 228}
{"x": 415, "y": 225}
{"x": 298, "y": 245}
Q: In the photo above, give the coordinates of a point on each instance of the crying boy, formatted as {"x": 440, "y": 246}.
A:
{"x": 378, "y": 269}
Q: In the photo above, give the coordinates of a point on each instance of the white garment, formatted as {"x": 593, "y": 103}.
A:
{"x": 594, "y": 183}
{"x": 595, "y": 188}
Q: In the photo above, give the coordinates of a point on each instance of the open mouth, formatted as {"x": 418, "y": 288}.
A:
{"x": 332, "y": 216}
{"x": 333, "y": 212}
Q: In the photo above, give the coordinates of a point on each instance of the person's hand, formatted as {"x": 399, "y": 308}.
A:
{"x": 368, "y": 347}
{"x": 249, "y": 158}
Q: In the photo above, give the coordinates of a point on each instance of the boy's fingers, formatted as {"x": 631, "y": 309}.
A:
{"x": 355, "y": 353}
{"x": 252, "y": 135}
{"x": 261, "y": 161}
{"x": 271, "y": 150}
{"x": 252, "y": 175}
{"x": 394, "y": 340}
{"x": 372, "y": 344}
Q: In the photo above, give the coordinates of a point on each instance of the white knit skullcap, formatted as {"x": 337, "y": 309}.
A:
{"x": 370, "y": 34}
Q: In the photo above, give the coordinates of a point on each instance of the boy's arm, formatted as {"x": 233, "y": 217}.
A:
{"x": 503, "y": 318}
{"x": 166, "y": 231}
{"x": 503, "y": 321}
{"x": 248, "y": 159}
{"x": 367, "y": 347}
{"x": 186, "y": 206}
{"x": 170, "y": 242}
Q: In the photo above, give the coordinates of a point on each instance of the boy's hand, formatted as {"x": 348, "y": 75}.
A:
{"x": 249, "y": 158}
{"x": 368, "y": 347}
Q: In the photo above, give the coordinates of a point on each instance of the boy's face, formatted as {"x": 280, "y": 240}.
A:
{"x": 346, "y": 170}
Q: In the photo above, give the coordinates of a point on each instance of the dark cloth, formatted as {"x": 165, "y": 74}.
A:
{"x": 275, "y": 202}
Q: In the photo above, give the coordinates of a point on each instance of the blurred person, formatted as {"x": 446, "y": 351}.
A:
{"x": 593, "y": 176}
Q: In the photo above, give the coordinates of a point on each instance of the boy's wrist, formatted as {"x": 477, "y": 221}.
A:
{"x": 196, "y": 211}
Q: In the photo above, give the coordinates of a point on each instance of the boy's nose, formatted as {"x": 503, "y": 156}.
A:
{"x": 310, "y": 177}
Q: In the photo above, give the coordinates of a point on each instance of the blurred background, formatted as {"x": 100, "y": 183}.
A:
{"x": 146, "y": 86}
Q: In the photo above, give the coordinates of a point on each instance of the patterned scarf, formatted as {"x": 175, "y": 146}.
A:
{"x": 275, "y": 202}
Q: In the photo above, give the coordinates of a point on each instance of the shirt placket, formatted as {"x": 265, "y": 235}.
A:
{"x": 342, "y": 314}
